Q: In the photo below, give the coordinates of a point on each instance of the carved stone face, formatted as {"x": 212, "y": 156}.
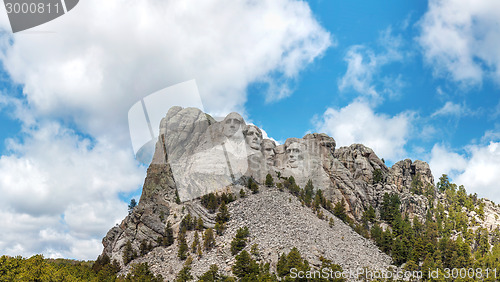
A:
{"x": 232, "y": 123}
{"x": 295, "y": 154}
{"x": 268, "y": 151}
{"x": 253, "y": 137}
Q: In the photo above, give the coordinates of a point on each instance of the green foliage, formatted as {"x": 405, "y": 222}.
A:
{"x": 132, "y": 205}
{"x": 378, "y": 177}
{"x": 331, "y": 222}
{"x": 37, "y": 268}
{"x": 223, "y": 214}
{"x": 291, "y": 186}
{"x": 213, "y": 275}
{"x": 168, "y": 238}
{"x": 128, "y": 253}
{"x": 416, "y": 186}
{"x": 183, "y": 246}
{"x": 145, "y": 247}
{"x": 208, "y": 239}
{"x": 242, "y": 193}
{"x": 240, "y": 240}
{"x": 252, "y": 186}
{"x": 245, "y": 267}
{"x": 184, "y": 275}
{"x": 444, "y": 184}
{"x": 219, "y": 228}
{"x": 196, "y": 243}
{"x": 269, "y": 180}
{"x": 212, "y": 201}
{"x": 369, "y": 215}
{"x": 141, "y": 272}
{"x": 188, "y": 223}
{"x": 390, "y": 207}
{"x": 308, "y": 193}
{"x": 339, "y": 211}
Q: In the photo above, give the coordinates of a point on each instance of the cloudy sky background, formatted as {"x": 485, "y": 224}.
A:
{"x": 409, "y": 79}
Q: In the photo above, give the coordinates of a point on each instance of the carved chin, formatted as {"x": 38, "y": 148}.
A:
{"x": 255, "y": 147}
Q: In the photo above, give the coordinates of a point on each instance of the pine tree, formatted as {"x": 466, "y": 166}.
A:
{"x": 168, "y": 240}
{"x": 240, "y": 240}
{"x": 184, "y": 275}
{"x": 223, "y": 214}
{"x": 199, "y": 224}
{"x": 208, "y": 239}
{"x": 308, "y": 192}
{"x": 282, "y": 266}
{"x": 339, "y": 210}
{"x": 212, "y": 275}
{"x": 128, "y": 253}
{"x": 132, "y": 205}
{"x": 269, "y": 180}
{"x": 253, "y": 186}
{"x": 196, "y": 242}
{"x": 183, "y": 247}
{"x": 245, "y": 266}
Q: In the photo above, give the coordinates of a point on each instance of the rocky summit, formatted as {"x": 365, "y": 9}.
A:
{"x": 223, "y": 177}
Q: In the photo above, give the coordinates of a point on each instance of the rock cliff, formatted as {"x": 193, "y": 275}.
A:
{"x": 195, "y": 155}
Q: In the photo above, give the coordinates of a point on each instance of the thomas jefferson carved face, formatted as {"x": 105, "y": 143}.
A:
{"x": 295, "y": 154}
{"x": 232, "y": 123}
{"x": 268, "y": 151}
{"x": 253, "y": 136}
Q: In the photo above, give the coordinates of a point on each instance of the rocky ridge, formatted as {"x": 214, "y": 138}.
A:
{"x": 189, "y": 159}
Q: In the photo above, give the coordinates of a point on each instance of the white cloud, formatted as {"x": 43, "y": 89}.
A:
{"x": 461, "y": 38}
{"x": 358, "y": 123}
{"x": 363, "y": 65}
{"x": 450, "y": 109}
{"x": 60, "y": 191}
{"x": 443, "y": 161}
{"x": 103, "y": 57}
{"x": 481, "y": 174}
{"x": 60, "y": 186}
{"x": 477, "y": 170}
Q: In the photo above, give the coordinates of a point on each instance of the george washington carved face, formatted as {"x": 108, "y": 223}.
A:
{"x": 253, "y": 136}
{"x": 232, "y": 123}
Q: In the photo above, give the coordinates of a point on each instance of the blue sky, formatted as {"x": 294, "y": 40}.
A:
{"x": 410, "y": 79}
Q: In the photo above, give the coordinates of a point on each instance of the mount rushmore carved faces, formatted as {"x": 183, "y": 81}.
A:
{"x": 268, "y": 149}
{"x": 253, "y": 136}
{"x": 232, "y": 124}
{"x": 295, "y": 153}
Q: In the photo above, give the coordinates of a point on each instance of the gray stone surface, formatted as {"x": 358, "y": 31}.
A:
{"x": 196, "y": 155}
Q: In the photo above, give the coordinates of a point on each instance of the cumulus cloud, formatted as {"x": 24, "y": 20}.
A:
{"x": 103, "y": 57}
{"x": 60, "y": 190}
{"x": 477, "y": 169}
{"x": 61, "y": 181}
{"x": 358, "y": 123}
{"x": 363, "y": 65}
{"x": 444, "y": 161}
{"x": 460, "y": 39}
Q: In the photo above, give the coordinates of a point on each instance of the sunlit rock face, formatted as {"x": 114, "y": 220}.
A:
{"x": 195, "y": 155}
